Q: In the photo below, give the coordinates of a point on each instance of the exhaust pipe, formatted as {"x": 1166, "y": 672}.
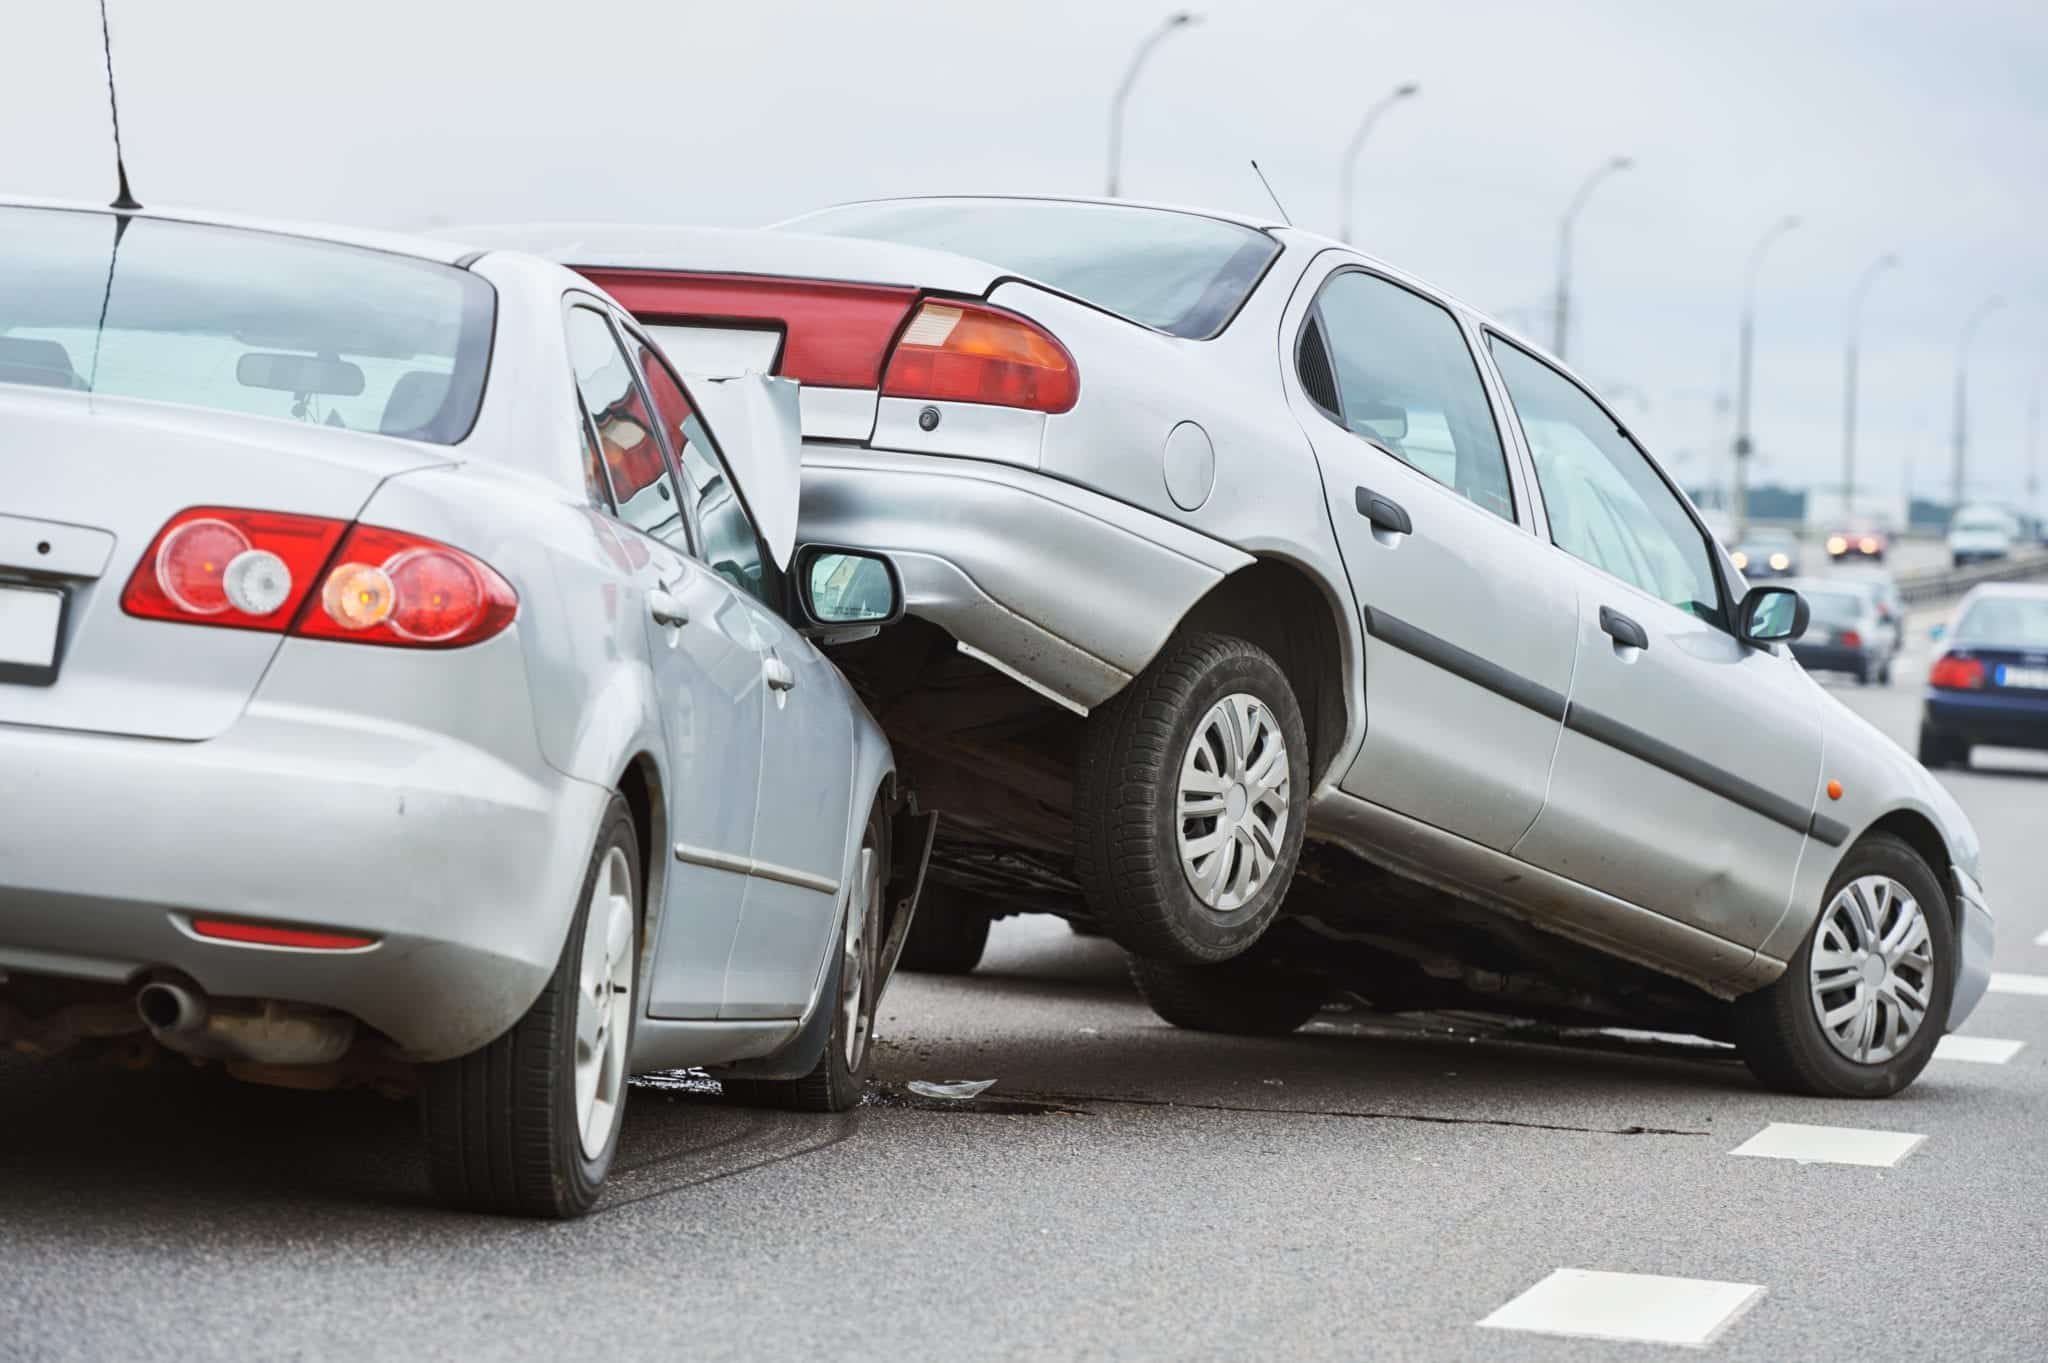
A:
{"x": 169, "y": 1008}
{"x": 274, "y": 1034}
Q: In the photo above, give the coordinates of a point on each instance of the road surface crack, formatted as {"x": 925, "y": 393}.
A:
{"x": 1368, "y": 1115}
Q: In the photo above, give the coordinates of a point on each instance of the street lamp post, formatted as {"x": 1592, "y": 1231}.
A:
{"x": 1962, "y": 417}
{"x": 1178, "y": 19}
{"x": 1346, "y": 171}
{"x": 1745, "y": 366}
{"x": 1877, "y": 267}
{"x": 1564, "y": 249}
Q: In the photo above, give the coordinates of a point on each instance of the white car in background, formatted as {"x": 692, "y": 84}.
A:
{"x": 1977, "y": 534}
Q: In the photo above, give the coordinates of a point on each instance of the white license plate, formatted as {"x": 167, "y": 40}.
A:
{"x": 2030, "y": 678}
{"x": 29, "y": 617}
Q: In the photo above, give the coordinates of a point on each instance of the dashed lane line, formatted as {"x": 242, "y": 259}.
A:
{"x": 1982, "y": 1050}
{"x": 2036, "y": 985}
{"x": 1830, "y": 1145}
{"x": 1640, "y": 1308}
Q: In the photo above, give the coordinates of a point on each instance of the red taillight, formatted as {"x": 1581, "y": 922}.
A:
{"x": 214, "y": 565}
{"x": 969, "y": 352}
{"x": 387, "y": 587}
{"x": 265, "y": 570}
{"x": 1957, "y": 674}
{"x": 275, "y": 935}
{"x": 1851, "y": 639}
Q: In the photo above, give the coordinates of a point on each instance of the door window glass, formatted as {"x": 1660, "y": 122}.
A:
{"x": 1607, "y": 504}
{"x": 1407, "y": 382}
{"x": 731, "y": 545}
{"x": 641, "y": 485}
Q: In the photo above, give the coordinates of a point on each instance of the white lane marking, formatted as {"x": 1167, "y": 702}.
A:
{"x": 1640, "y": 1307}
{"x": 1985, "y": 1050}
{"x": 2042, "y": 940}
{"x": 1830, "y": 1144}
{"x": 2019, "y": 984}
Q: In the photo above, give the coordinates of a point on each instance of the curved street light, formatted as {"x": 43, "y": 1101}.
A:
{"x": 1564, "y": 248}
{"x": 1888, "y": 261}
{"x": 1746, "y": 365}
{"x": 1984, "y": 309}
{"x": 1178, "y": 19}
{"x": 1344, "y": 178}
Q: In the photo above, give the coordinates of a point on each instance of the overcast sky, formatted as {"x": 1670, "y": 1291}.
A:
{"x": 1916, "y": 128}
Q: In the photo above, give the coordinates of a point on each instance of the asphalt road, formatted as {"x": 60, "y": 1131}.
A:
{"x": 1369, "y": 1188}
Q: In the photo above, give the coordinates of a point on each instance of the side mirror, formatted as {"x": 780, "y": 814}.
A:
{"x": 847, "y": 594}
{"x": 1771, "y": 615}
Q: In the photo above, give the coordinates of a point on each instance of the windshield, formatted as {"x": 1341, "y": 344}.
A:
{"x": 1177, "y": 272}
{"x": 2004, "y": 622}
{"x": 1834, "y": 608}
{"x": 1981, "y": 525}
{"x": 242, "y": 321}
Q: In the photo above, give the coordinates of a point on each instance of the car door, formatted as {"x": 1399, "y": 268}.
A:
{"x": 799, "y": 842}
{"x": 1469, "y": 639}
{"x": 707, "y": 676}
{"x": 1686, "y": 777}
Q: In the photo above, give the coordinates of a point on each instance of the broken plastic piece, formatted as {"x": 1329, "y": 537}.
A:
{"x": 950, "y": 1088}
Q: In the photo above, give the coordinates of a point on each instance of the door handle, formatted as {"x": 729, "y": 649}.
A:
{"x": 1621, "y": 629}
{"x": 1384, "y": 512}
{"x": 779, "y": 675}
{"x": 665, "y": 609}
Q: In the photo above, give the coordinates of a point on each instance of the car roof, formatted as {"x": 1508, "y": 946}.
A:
{"x": 2028, "y": 590}
{"x": 1257, "y": 224}
{"x": 392, "y": 243}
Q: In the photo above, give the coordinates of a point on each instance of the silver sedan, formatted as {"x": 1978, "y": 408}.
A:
{"x": 1309, "y": 631}
{"x": 400, "y": 682}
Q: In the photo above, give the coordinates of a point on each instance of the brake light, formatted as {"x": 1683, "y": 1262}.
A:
{"x": 1957, "y": 674}
{"x": 213, "y": 565}
{"x": 388, "y": 587}
{"x": 970, "y": 352}
{"x": 316, "y": 577}
{"x": 276, "y": 935}
{"x": 1851, "y": 639}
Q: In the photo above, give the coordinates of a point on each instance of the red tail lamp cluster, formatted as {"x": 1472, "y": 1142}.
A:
{"x": 318, "y": 578}
{"x": 956, "y": 351}
{"x": 1957, "y": 674}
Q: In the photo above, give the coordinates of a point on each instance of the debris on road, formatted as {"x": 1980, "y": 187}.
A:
{"x": 950, "y": 1088}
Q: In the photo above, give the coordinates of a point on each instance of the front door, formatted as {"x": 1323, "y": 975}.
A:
{"x": 1690, "y": 763}
{"x": 1469, "y": 642}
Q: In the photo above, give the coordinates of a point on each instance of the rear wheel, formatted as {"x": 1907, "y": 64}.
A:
{"x": 529, "y": 1124}
{"x": 1239, "y": 998}
{"x": 1862, "y": 1003}
{"x": 949, "y": 933}
{"x": 1190, "y": 801}
{"x": 852, "y": 986}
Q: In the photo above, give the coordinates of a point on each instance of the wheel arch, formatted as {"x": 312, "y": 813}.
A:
{"x": 639, "y": 781}
{"x": 1918, "y": 832}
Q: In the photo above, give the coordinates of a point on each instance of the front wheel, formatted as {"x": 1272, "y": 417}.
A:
{"x": 1862, "y": 1003}
{"x": 528, "y": 1125}
{"x": 1190, "y": 801}
{"x": 1237, "y": 998}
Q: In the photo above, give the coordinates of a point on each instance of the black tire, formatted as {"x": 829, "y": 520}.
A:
{"x": 948, "y": 935}
{"x": 840, "y": 1078}
{"x": 1237, "y": 998}
{"x": 1865, "y": 673}
{"x": 1782, "y": 1040}
{"x": 1126, "y": 833}
{"x": 501, "y": 1123}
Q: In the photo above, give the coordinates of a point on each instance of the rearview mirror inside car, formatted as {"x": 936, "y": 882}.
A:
{"x": 847, "y": 589}
{"x": 1772, "y": 615}
{"x": 299, "y": 374}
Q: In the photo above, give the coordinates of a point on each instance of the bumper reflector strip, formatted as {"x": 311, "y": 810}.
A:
{"x": 272, "y": 935}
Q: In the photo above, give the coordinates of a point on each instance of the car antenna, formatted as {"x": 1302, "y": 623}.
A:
{"x": 1255, "y": 170}
{"x": 124, "y": 201}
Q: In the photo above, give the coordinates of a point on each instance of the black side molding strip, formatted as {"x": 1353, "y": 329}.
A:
{"x": 1682, "y": 764}
{"x": 1826, "y": 830}
{"x": 1461, "y": 663}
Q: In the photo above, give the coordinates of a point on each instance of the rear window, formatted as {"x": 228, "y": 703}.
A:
{"x": 2004, "y": 622}
{"x": 1180, "y": 273}
{"x": 1834, "y": 608}
{"x": 243, "y": 321}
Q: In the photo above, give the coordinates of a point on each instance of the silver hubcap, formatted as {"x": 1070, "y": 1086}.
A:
{"x": 1233, "y": 802}
{"x": 856, "y": 1012}
{"x": 604, "y": 1002}
{"x": 1873, "y": 969}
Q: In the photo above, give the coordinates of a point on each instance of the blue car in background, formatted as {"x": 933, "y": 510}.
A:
{"x": 1990, "y": 683}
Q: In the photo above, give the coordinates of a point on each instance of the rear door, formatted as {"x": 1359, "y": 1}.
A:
{"x": 1468, "y": 655}
{"x": 707, "y": 674}
{"x": 785, "y": 926}
{"x": 1687, "y": 773}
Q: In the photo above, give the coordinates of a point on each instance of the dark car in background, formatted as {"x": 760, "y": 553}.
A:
{"x": 1767, "y": 554}
{"x": 1859, "y": 539}
{"x": 1844, "y": 631}
{"x": 1989, "y": 685}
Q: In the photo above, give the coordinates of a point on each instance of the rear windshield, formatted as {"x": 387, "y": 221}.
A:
{"x": 1982, "y": 525}
{"x": 1179, "y": 273}
{"x": 1834, "y": 608}
{"x": 2004, "y": 622}
{"x": 242, "y": 321}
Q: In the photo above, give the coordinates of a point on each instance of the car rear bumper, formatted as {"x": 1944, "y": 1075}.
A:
{"x": 1065, "y": 589}
{"x": 461, "y": 859}
{"x": 1973, "y": 971}
{"x": 2001, "y": 719}
{"x": 1836, "y": 657}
